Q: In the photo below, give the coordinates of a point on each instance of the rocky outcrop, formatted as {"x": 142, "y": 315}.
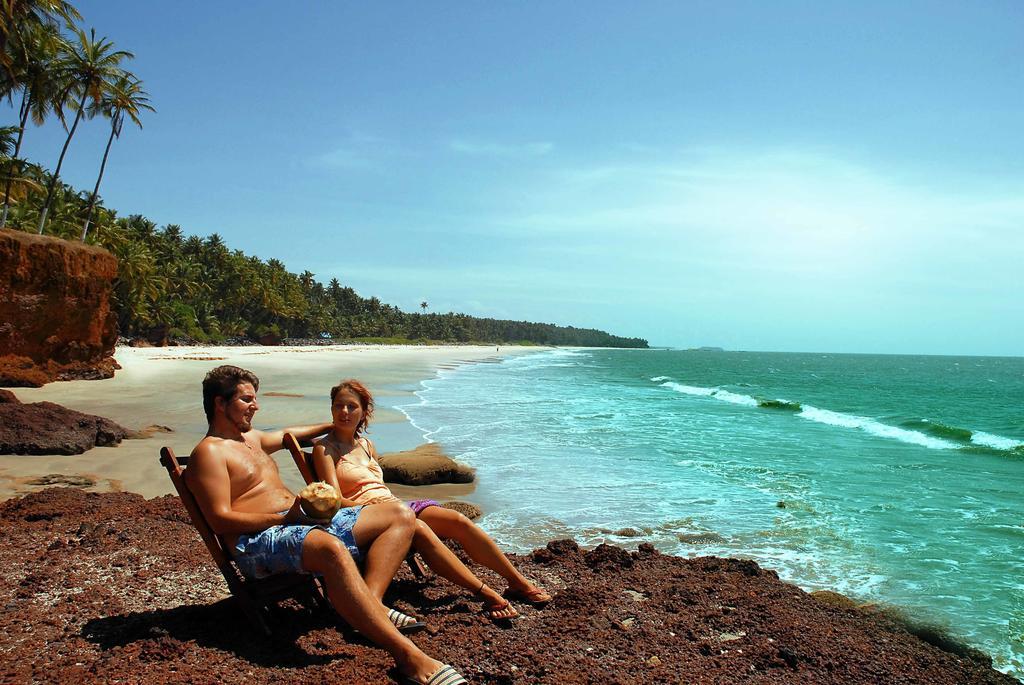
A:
{"x": 56, "y": 321}
{"x": 48, "y": 428}
{"x": 425, "y": 465}
{"x": 101, "y": 588}
{"x": 467, "y": 509}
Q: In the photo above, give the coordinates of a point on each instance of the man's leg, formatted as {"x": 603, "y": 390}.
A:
{"x": 386, "y": 530}
{"x": 324, "y": 554}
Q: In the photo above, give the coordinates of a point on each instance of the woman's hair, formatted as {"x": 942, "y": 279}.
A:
{"x": 365, "y": 399}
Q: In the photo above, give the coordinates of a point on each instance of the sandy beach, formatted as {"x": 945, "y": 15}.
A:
{"x": 161, "y": 387}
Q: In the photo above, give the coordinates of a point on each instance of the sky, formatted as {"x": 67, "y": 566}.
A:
{"x": 791, "y": 176}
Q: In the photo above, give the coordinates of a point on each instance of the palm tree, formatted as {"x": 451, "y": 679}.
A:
{"x": 423, "y": 305}
{"x": 18, "y": 17}
{"x": 89, "y": 65}
{"x": 11, "y": 178}
{"x": 124, "y": 97}
{"x": 35, "y": 73}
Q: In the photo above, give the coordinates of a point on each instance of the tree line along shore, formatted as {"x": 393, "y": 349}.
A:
{"x": 178, "y": 285}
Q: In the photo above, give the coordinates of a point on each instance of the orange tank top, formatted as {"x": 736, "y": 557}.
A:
{"x": 363, "y": 484}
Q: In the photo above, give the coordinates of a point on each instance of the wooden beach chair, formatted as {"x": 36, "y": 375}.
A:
{"x": 304, "y": 462}
{"x": 255, "y": 597}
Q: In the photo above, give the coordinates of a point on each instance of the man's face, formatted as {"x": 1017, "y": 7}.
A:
{"x": 241, "y": 407}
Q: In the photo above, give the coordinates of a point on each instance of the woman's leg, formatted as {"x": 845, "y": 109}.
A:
{"x": 478, "y": 544}
{"x": 448, "y": 566}
{"x": 385, "y": 531}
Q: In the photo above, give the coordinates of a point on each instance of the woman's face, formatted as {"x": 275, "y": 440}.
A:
{"x": 347, "y": 411}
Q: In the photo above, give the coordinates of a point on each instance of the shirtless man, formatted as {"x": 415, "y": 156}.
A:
{"x": 239, "y": 489}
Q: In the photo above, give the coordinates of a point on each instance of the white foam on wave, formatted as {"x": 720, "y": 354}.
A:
{"x": 659, "y": 379}
{"x": 547, "y": 359}
{"x": 833, "y": 418}
{"x": 995, "y": 441}
{"x": 717, "y": 393}
{"x": 689, "y": 389}
{"x": 735, "y": 398}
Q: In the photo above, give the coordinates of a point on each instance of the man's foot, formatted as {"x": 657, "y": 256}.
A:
{"x": 532, "y": 595}
{"x": 445, "y": 675}
{"x": 404, "y": 622}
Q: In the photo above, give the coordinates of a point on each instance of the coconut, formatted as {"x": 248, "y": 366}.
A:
{"x": 319, "y": 500}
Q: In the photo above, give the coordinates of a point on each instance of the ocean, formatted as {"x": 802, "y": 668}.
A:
{"x": 888, "y": 478}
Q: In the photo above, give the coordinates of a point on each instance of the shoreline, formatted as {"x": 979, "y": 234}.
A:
{"x": 161, "y": 386}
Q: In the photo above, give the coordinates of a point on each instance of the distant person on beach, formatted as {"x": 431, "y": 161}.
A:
{"x": 347, "y": 460}
{"x": 239, "y": 489}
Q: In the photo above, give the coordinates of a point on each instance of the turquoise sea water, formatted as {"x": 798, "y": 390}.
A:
{"x": 902, "y": 476}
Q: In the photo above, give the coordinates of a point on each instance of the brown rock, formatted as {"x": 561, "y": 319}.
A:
{"x": 425, "y": 465}
{"x": 157, "y": 337}
{"x": 470, "y": 511}
{"x": 8, "y": 397}
{"x": 833, "y": 599}
{"x": 63, "y": 479}
{"x": 48, "y": 428}
{"x": 56, "y": 321}
{"x": 148, "y": 432}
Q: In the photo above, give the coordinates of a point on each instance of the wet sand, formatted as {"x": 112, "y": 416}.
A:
{"x": 162, "y": 386}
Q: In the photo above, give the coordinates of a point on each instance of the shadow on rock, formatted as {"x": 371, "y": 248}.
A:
{"x": 165, "y": 634}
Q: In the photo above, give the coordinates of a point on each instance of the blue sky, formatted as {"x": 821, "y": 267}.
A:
{"x": 806, "y": 176}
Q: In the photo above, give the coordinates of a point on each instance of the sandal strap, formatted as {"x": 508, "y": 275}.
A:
{"x": 446, "y": 675}
{"x": 401, "y": 620}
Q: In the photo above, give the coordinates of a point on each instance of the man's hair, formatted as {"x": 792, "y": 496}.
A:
{"x": 365, "y": 400}
{"x": 222, "y": 382}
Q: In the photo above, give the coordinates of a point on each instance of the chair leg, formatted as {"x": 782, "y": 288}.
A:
{"x": 253, "y": 613}
{"x": 416, "y": 565}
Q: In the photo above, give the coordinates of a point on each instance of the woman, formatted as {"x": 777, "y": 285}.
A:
{"x": 348, "y": 461}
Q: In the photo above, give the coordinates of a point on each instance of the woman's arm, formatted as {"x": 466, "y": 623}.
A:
{"x": 324, "y": 465}
{"x": 328, "y": 472}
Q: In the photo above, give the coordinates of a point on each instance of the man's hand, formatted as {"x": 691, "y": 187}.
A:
{"x": 295, "y": 515}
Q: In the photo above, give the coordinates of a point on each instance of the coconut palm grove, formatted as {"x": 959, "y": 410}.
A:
{"x": 170, "y": 282}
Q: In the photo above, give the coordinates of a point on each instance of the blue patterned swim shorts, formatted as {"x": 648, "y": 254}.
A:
{"x": 278, "y": 549}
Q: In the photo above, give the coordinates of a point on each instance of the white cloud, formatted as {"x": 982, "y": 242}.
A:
{"x": 358, "y": 150}
{"x": 493, "y": 149}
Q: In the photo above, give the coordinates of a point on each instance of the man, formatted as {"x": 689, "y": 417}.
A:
{"x": 239, "y": 488}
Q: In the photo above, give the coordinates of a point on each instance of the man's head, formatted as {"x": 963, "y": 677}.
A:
{"x": 223, "y": 383}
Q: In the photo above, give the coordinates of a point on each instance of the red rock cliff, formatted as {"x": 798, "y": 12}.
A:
{"x": 56, "y": 321}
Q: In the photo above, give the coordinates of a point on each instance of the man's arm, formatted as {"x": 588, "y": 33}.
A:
{"x": 272, "y": 441}
{"x": 210, "y": 484}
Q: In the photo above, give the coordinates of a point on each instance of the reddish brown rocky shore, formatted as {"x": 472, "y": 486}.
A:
{"x": 116, "y": 588}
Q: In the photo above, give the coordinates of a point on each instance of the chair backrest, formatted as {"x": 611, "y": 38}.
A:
{"x": 176, "y": 470}
{"x": 303, "y": 460}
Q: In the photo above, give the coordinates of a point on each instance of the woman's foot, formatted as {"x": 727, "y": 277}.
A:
{"x": 529, "y": 595}
{"x": 496, "y": 607}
